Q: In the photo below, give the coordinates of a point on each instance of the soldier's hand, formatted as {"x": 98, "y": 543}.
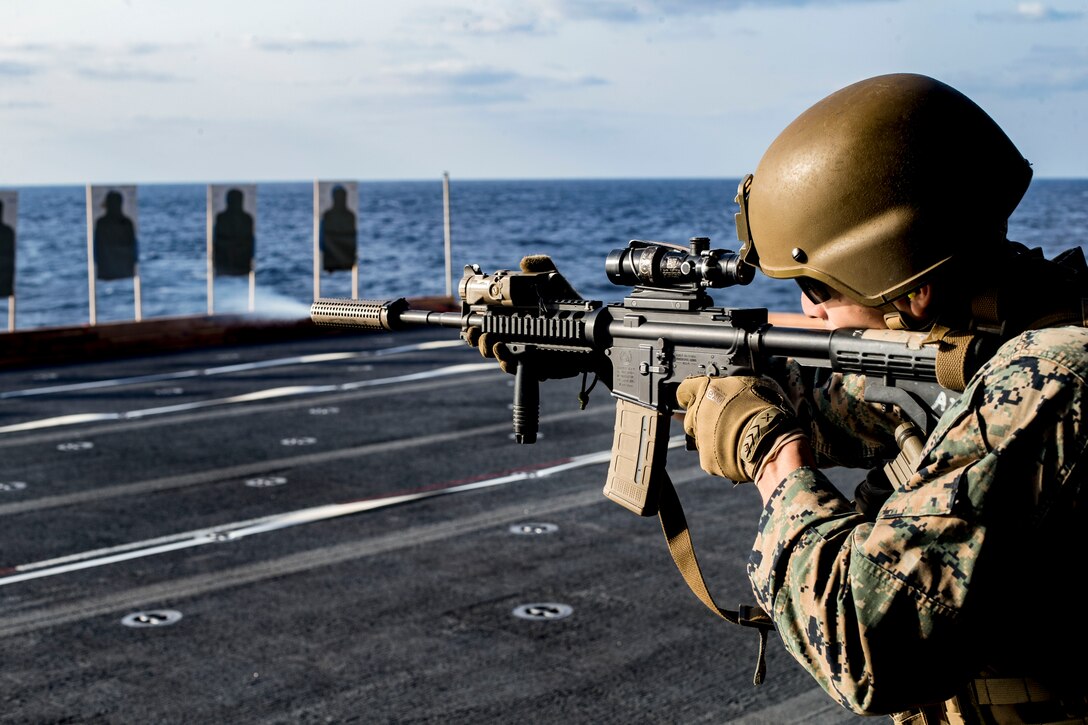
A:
{"x": 738, "y": 423}
{"x": 508, "y": 362}
{"x": 557, "y": 287}
{"x": 545, "y": 364}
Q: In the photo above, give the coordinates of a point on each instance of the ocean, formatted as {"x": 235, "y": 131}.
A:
{"x": 401, "y": 241}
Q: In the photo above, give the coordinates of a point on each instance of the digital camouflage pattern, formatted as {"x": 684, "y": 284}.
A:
{"x": 844, "y": 430}
{"x": 970, "y": 566}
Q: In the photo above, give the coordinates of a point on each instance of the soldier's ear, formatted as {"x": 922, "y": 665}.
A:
{"x": 921, "y": 302}
{"x": 914, "y": 310}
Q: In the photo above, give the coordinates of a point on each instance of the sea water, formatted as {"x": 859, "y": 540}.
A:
{"x": 401, "y": 241}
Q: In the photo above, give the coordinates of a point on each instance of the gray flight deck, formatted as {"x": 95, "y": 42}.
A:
{"x": 348, "y": 533}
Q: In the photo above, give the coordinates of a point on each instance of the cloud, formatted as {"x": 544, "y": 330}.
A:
{"x": 128, "y": 74}
{"x": 21, "y": 46}
{"x": 463, "y": 82}
{"x": 155, "y": 48}
{"x": 457, "y": 73}
{"x": 1032, "y": 12}
{"x": 477, "y": 97}
{"x": 459, "y": 83}
{"x": 298, "y": 44}
{"x": 22, "y": 105}
{"x": 521, "y": 21}
{"x": 628, "y": 11}
{"x": 95, "y": 62}
{"x": 15, "y": 69}
{"x": 1044, "y": 72}
{"x": 169, "y": 122}
{"x": 545, "y": 16}
{"x": 84, "y": 49}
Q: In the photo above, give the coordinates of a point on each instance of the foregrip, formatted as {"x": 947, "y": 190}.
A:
{"x": 370, "y": 314}
{"x": 526, "y": 405}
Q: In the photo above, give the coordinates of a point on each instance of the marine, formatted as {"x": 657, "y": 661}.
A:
{"x": 946, "y": 594}
{"x": 946, "y": 590}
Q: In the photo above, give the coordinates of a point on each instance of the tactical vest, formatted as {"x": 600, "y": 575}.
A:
{"x": 1045, "y": 293}
{"x": 1002, "y": 701}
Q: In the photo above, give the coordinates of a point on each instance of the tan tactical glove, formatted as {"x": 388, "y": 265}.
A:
{"x": 498, "y": 350}
{"x": 738, "y": 423}
{"x": 548, "y": 365}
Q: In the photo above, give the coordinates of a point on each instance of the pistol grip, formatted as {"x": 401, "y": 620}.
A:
{"x": 640, "y": 444}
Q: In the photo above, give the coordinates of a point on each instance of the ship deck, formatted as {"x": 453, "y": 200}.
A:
{"x": 340, "y": 528}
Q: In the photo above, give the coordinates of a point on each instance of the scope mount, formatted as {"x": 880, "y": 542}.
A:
{"x": 663, "y": 298}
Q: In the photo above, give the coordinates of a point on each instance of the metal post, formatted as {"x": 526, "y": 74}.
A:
{"x": 211, "y": 254}
{"x": 9, "y": 207}
{"x": 136, "y": 290}
{"x": 252, "y": 289}
{"x": 90, "y": 257}
{"x": 446, "y": 224}
{"x": 355, "y": 281}
{"x": 317, "y": 240}
{"x": 137, "y": 295}
{"x": 11, "y": 297}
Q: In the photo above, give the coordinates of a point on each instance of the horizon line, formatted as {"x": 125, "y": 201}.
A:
{"x": 438, "y": 178}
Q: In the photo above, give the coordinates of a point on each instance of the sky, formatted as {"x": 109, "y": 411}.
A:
{"x": 148, "y": 91}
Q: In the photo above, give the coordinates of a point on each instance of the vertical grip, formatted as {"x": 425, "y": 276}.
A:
{"x": 526, "y": 405}
{"x": 640, "y": 444}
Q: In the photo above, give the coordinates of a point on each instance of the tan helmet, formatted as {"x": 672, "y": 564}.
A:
{"x": 879, "y": 185}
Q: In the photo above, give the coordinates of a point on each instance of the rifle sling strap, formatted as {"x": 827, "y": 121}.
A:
{"x": 675, "y": 527}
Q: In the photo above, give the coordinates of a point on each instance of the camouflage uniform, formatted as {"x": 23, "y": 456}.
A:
{"x": 975, "y": 565}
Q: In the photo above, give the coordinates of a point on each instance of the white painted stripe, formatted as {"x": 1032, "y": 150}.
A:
{"x": 225, "y": 369}
{"x": 269, "y": 394}
{"x": 265, "y": 466}
{"x": 96, "y": 384}
{"x": 73, "y": 419}
{"x": 433, "y": 345}
{"x": 424, "y": 375}
{"x": 261, "y": 364}
{"x": 241, "y": 529}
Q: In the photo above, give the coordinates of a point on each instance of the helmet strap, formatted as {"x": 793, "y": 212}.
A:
{"x": 894, "y": 320}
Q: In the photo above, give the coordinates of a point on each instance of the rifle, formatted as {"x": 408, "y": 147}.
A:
{"x": 665, "y": 330}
